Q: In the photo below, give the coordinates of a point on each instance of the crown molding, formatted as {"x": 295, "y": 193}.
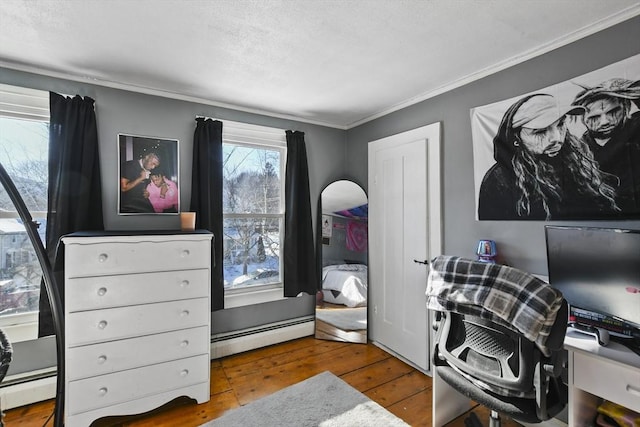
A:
{"x": 610, "y": 21}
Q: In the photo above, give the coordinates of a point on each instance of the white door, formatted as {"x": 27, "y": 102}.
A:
{"x": 404, "y": 227}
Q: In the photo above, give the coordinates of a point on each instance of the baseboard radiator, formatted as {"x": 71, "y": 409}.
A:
{"x": 226, "y": 344}
{"x": 18, "y": 391}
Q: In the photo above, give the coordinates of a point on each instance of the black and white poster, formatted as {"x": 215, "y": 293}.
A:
{"x": 570, "y": 151}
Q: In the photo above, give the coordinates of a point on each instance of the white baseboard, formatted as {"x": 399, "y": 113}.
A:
{"x": 239, "y": 341}
{"x": 26, "y": 393}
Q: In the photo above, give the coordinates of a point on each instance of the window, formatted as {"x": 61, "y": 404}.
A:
{"x": 24, "y": 140}
{"x": 253, "y": 208}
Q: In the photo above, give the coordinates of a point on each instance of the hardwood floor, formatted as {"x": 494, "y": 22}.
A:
{"x": 239, "y": 379}
{"x": 327, "y": 331}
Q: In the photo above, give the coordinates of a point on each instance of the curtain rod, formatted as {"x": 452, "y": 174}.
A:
{"x": 236, "y": 124}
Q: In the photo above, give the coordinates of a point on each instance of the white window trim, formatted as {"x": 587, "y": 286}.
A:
{"x": 26, "y": 104}
{"x": 249, "y": 297}
{"x": 245, "y": 133}
{"x": 20, "y": 326}
{"x": 259, "y": 136}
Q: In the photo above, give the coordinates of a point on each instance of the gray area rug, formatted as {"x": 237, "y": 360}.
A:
{"x": 347, "y": 319}
{"x": 323, "y": 401}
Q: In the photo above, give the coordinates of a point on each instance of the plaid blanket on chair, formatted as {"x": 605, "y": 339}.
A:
{"x": 505, "y": 295}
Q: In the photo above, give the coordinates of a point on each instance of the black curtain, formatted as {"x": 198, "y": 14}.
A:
{"x": 206, "y": 196}
{"x": 299, "y": 256}
{"x": 75, "y": 188}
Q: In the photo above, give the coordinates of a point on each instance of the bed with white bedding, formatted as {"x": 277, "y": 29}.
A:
{"x": 345, "y": 284}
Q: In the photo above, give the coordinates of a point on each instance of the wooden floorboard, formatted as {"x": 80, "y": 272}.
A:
{"x": 239, "y": 379}
{"x": 325, "y": 330}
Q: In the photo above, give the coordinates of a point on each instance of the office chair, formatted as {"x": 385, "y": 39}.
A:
{"x": 499, "y": 336}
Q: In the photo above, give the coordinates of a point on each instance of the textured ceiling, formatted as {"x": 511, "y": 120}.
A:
{"x": 331, "y": 62}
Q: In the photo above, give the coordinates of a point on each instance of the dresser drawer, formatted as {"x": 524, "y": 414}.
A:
{"x": 109, "y": 258}
{"x": 89, "y": 327}
{"x": 619, "y": 384}
{"x": 114, "y": 356}
{"x": 111, "y": 389}
{"x": 90, "y": 293}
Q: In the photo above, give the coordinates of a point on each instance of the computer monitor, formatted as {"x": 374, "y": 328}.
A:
{"x": 596, "y": 269}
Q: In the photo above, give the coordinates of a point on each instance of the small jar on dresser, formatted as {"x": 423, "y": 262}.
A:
{"x": 137, "y": 322}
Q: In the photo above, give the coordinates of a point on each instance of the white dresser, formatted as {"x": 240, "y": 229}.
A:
{"x": 137, "y": 322}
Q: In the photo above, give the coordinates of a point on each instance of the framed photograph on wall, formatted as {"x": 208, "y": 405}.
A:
{"x": 149, "y": 175}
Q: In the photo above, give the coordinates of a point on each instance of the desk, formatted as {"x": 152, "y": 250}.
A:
{"x": 595, "y": 373}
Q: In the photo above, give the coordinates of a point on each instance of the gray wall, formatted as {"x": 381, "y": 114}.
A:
{"x": 335, "y": 154}
{"x": 120, "y": 111}
{"x": 336, "y": 252}
{"x": 521, "y": 243}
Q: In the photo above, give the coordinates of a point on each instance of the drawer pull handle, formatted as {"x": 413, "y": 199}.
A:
{"x": 184, "y": 283}
{"x": 184, "y": 343}
{"x": 102, "y": 291}
{"x": 102, "y": 359}
{"x": 103, "y": 257}
{"x": 184, "y": 372}
{"x": 102, "y": 324}
{"x": 184, "y": 313}
{"x": 633, "y": 390}
{"x": 103, "y": 391}
{"x": 185, "y": 253}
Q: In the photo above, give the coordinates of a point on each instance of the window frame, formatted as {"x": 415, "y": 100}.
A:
{"x": 22, "y": 103}
{"x": 256, "y": 136}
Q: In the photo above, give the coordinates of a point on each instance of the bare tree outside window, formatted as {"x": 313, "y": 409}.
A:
{"x": 24, "y": 155}
{"x": 252, "y": 188}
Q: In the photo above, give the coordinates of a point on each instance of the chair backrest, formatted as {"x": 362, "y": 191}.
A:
{"x": 494, "y": 363}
